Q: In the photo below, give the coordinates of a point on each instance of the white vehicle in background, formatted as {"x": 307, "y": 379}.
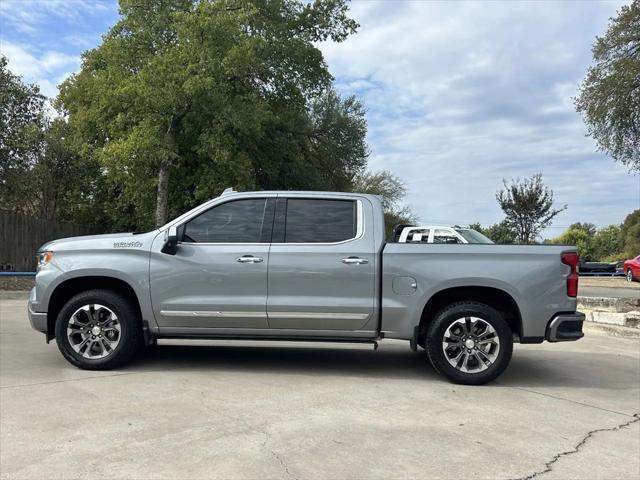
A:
{"x": 440, "y": 234}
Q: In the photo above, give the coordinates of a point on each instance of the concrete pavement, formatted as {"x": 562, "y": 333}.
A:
{"x": 264, "y": 410}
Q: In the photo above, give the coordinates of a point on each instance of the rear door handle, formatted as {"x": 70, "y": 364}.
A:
{"x": 249, "y": 259}
{"x": 355, "y": 261}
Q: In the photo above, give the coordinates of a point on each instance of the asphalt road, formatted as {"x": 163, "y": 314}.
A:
{"x": 255, "y": 410}
{"x": 611, "y": 292}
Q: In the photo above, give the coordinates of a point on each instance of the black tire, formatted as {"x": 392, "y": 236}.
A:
{"x": 130, "y": 334}
{"x": 445, "y": 318}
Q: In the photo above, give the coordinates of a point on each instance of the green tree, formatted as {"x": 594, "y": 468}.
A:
{"x": 609, "y": 97}
{"x": 319, "y": 149}
{"x": 500, "y": 233}
{"x": 22, "y": 122}
{"x": 630, "y": 233}
{"x": 182, "y": 95}
{"x": 528, "y": 206}
{"x": 579, "y": 238}
{"x": 65, "y": 182}
{"x": 587, "y": 227}
{"x": 392, "y": 191}
{"x": 607, "y": 243}
{"x": 40, "y": 175}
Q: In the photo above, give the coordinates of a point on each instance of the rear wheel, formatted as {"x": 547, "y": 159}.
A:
{"x": 98, "y": 330}
{"x": 469, "y": 343}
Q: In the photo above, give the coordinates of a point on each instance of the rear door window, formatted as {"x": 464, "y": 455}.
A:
{"x": 320, "y": 220}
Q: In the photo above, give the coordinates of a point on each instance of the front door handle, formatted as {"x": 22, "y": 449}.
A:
{"x": 249, "y": 259}
{"x": 355, "y": 261}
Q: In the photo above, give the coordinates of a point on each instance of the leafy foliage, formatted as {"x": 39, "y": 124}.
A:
{"x": 610, "y": 94}
{"x": 323, "y": 148}
{"x": 501, "y": 233}
{"x": 588, "y": 227}
{"x": 610, "y": 244}
{"x": 528, "y": 206}
{"x": 630, "y": 233}
{"x": 186, "y": 97}
{"x": 392, "y": 190}
{"x": 607, "y": 242}
{"x": 65, "y": 183}
{"x": 40, "y": 174}
{"x": 581, "y": 239}
{"x": 22, "y": 120}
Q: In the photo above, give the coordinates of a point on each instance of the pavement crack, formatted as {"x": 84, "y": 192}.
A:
{"x": 79, "y": 379}
{"x": 276, "y": 455}
{"x": 569, "y": 400}
{"x": 548, "y": 467}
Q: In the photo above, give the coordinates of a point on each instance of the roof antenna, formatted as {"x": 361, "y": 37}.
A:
{"x": 228, "y": 190}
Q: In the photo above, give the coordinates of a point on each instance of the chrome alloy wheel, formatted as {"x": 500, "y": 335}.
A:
{"x": 629, "y": 276}
{"x": 94, "y": 331}
{"x": 471, "y": 344}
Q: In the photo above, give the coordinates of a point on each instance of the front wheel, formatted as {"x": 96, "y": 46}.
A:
{"x": 98, "y": 330}
{"x": 629, "y": 276}
{"x": 469, "y": 343}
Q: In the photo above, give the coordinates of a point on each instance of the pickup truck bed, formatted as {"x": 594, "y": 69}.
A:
{"x": 302, "y": 265}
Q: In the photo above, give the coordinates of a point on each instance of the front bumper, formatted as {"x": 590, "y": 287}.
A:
{"x": 38, "y": 320}
{"x": 565, "y": 327}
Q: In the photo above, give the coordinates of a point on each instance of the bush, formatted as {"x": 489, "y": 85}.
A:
{"x": 581, "y": 239}
{"x": 614, "y": 258}
{"x": 607, "y": 242}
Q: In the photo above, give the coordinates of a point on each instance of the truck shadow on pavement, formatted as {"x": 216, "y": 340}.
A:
{"x": 527, "y": 368}
{"x": 312, "y": 360}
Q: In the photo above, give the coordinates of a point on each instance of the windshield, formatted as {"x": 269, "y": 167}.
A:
{"x": 472, "y": 236}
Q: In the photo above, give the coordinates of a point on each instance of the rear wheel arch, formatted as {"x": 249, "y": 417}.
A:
{"x": 495, "y": 298}
{"x": 71, "y": 287}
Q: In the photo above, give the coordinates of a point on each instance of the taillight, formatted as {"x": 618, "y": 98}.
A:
{"x": 571, "y": 259}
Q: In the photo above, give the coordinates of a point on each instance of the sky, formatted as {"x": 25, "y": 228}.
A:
{"x": 459, "y": 95}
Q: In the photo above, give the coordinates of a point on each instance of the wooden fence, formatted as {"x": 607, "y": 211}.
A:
{"x": 21, "y": 236}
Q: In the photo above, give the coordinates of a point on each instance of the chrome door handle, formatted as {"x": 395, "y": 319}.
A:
{"x": 249, "y": 259}
{"x": 355, "y": 261}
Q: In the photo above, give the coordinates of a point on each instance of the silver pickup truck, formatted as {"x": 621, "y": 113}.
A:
{"x": 301, "y": 266}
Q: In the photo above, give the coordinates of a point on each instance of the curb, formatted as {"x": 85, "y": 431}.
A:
{"x": 14, "y": 295}
{"x": 623, "y": 312}
{"x": 613, "y": 330}
{"x": 610, "y": 304}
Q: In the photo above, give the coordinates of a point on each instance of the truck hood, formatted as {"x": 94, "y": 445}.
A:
{"x": 102, "y": 242}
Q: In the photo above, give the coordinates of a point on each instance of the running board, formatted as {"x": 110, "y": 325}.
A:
{"x": 373, "y": 341}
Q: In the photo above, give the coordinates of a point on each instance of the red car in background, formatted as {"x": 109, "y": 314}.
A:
{"x": 631, "y": 268}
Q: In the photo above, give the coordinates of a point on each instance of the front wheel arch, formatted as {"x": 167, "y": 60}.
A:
{"x": 73, "y": 286}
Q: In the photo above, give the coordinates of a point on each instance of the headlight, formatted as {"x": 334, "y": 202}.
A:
{"x": 44, "y": 258}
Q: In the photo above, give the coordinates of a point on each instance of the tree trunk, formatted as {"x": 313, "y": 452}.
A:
{"x": 48, "y": 206}
{"x": 162, "y": 198}
{"x": 163, "y": 194}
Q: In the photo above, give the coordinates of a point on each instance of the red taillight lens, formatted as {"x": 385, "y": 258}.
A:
{"x": 571, "y": 259}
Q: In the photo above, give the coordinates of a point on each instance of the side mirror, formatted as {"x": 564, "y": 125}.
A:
{"x": 170, "y": 246}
